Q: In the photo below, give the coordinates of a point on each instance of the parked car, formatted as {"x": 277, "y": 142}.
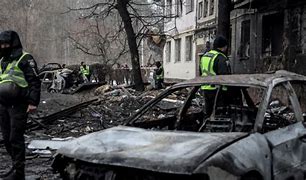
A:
{"x": 50, "y": 67}
{"x": 59, "y": 80}
{"x": 259, "y": 134}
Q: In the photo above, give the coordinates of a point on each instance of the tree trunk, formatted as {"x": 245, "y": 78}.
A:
{"x": 224, "y": 10}
{"x": 124, "y": 14}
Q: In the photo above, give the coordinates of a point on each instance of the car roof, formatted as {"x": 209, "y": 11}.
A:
{"x": 259, "y": 80}
{"x": 177, "y": 152}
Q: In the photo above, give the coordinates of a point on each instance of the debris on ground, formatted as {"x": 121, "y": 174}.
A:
{"x": 53, "y": 144}
{"x": 62, "y": 117}
{"x": 102, "y": 89}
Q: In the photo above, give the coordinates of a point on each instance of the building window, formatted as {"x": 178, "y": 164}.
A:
{"x": 212, "y": 7}
{"x": 188, "y": 48}
{"x": 177, "y": 50}
{"x": 169, "y": 8}
{"x": 205, "y": 8}
{"x": 229, "y": 49}
{"x": 200, "y": 10}
{"x": 272, "y": 34}
{"x": 168, "y": 51}
{"x": 179, "y": 7}
{"x": 245, "y": 39}
{"x": 189, "y": 6}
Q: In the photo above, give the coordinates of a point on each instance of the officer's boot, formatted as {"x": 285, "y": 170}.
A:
{"x": 6, "y": 174}
{"x": 17, "y": 174}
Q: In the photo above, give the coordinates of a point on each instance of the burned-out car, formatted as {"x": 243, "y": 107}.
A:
{"x": 257, "y": 133}
{"x": 50, "y": 67}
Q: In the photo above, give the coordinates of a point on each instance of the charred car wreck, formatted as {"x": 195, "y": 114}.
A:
{"x": 259, "y": 134}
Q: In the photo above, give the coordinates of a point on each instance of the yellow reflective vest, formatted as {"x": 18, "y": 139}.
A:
{"x": 207, "y": 64}
{"x": 161, "y": 75}
{"x": 84, "y": 71}
{"x": 13, "y": 73}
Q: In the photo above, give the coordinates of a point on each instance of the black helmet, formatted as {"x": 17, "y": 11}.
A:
{"x": 158, "y": 63}
{"x": 11, "y": 38}
{"x": 220, "y": 42}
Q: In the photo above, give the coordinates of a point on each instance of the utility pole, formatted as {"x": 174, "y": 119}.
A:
{"x": 224, "y": 11}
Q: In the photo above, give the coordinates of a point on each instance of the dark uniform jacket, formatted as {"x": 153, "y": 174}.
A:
{"x": 31, "y": 94}
{"x": 221, "y": 65}
{"x": 159, "y": 71}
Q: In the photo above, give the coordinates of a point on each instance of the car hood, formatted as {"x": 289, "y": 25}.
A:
{"x": 163, "y": 151}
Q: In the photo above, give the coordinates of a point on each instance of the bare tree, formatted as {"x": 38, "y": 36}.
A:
{"x": 94, "y": 39}
{"x": 137, "y": 17}
{"x": 122, "y": 7}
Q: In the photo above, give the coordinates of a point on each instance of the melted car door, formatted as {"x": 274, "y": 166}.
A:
{"x": 286, "y": 133}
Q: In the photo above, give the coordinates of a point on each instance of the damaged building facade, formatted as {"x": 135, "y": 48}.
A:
{"x": 267, "y": 36}
{"x": 264, "y": 36}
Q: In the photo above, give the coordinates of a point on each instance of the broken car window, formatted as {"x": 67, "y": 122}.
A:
{"x": 235, "y": 110}
{"x": 300, "y": 90}
{"x": 279, "y": 112}
{"x": 165, "y": 112}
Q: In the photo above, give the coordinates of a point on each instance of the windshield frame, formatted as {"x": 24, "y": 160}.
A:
{"x": 134, "y": 118}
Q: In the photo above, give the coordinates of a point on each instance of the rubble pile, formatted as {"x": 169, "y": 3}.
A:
{"x": 113, "y": 107}
{"x": 114, "y": 110}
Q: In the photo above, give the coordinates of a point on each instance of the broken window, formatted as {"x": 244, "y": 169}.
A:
{"x": 235, "y": 110}
{"x": 200, "y": 10}
{"x": 205, "y": 8}
{"x": 178, "y": 50}
{"x": 272, "y": 34}
{"x": 279, "y": 112}
{"x": 244, "y": 51}
{"x": 300, "y": 90}
{"x": 229, "y": 48}
{"x": 168, "y": 51}
{"x": 189, "y": 6}
{"x": 188, "y": 48}
{"x": 164, "y": 113}
{"x": 47, "y": 76}
{"x": 212, "y": 7}
{"x": 179, "y": 7}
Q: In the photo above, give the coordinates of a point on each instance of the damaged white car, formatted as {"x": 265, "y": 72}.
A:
{"x": 258, "y": 134}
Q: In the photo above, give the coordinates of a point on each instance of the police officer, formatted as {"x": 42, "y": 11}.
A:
{"x": 159, "y": 75}
{"x": 84, "y": 70}
{"x": 207, "y": 47}
{"x": 214, "y": 62}
{"x": 19, "y": 95}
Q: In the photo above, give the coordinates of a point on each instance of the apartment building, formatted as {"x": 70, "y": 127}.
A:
{"x": 194, "y": 24}
{"x": 179, "y": 57}
{"x": 268, "y": 35}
